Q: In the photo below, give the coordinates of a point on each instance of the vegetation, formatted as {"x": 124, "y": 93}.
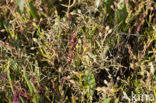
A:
{"x": 77, "y": 51}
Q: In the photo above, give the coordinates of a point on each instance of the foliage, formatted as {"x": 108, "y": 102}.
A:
{"x": 76, "y": 51}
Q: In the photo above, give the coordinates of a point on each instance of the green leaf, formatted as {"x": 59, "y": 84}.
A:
{"x": 29, "y": 84}
{"x": 121, "y": 12}
{"x": 107, "y": 100}
{"x": 33, "y": 11}
{"x": 108, "y": 4}
{"x": 21, "y": 4}
{"x": 90, "y": 84}
{"x": 22, "y": 99}
{"x": 8, "y": 74}
{"x": 31, "y": 88}
{"x": 6, "y": 26}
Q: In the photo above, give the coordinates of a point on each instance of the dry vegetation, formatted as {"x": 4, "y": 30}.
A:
{"x": 77, "y": 51}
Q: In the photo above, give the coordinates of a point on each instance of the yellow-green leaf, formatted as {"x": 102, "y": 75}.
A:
{"x": 107, "y": 100}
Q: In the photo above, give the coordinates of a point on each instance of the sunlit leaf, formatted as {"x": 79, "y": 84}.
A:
{"x": 92, "y": 56}
{"x": 20, "y": 4}
{"x": 97, "y": 3}
{"x": 152, "y": 70}
{"x": 22, "y": 99}
{"x": 107, "y": 100}
{"x": 73, "y": 99}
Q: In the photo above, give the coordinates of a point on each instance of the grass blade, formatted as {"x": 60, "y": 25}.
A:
{"x": 33, "y": 11}
{"x": 8, "y": 74}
